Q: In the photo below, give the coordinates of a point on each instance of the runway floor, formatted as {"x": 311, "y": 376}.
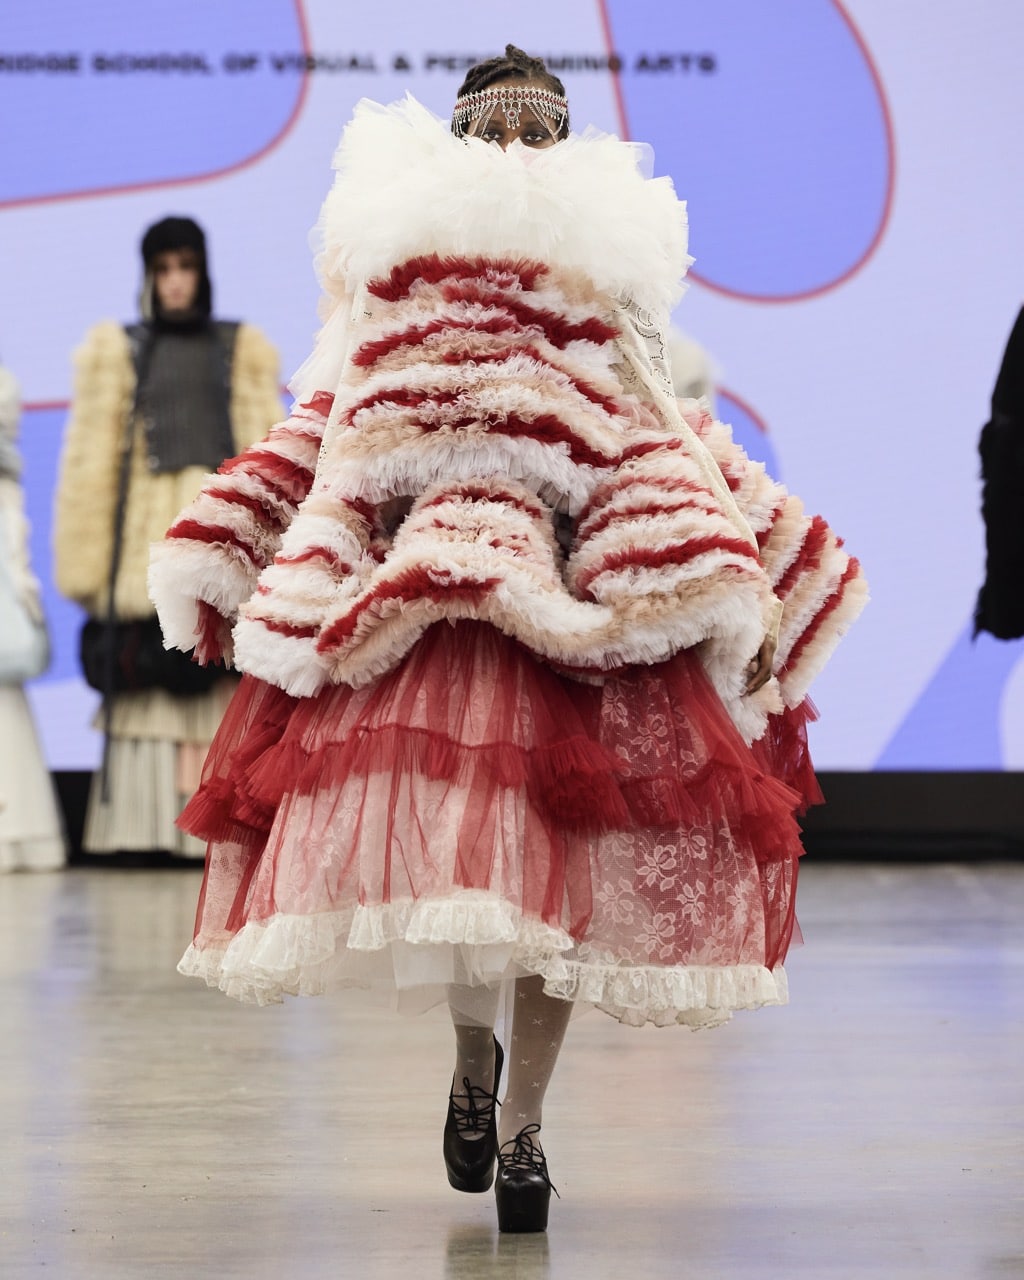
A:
{"x": 152, "y": 1128}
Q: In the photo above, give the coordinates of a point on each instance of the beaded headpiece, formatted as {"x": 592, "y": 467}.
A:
{"x": 544, "y": 103}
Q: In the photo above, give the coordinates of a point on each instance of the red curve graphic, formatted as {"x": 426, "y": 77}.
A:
{"x": 89, "y": 193}
{"x": 752, "y": 414}
{"x": 890, "y": 192}
{"x": 44, "y": 406}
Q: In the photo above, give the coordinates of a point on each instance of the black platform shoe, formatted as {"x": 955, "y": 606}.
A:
{"x": 470, "y": 1161}
{"x": 522, "y": 1187}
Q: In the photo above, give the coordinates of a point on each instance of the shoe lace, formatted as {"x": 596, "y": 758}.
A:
{"x": 525, "y": 1154}
{"x": 478, "y": 1113}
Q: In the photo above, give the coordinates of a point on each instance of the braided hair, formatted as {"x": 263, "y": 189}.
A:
{"x": 515, "y": 65}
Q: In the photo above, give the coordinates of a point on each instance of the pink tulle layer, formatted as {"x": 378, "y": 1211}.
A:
{"x": 628, "y": 817}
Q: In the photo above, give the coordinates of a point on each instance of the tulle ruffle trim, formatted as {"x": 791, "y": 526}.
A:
{"x": 469, "y": 938}
{"x": 575, "y": 783}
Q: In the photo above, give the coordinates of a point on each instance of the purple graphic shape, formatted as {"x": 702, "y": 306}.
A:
{"x": 42, "y": 430}
{"x": 954, "y": 724}
{"x": 87, "y": 131}
{"x": 748, "y": 432}
{"x": 783, "y": 151}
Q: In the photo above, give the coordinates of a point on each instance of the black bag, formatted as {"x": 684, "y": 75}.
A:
{"x": 129, "y": 657}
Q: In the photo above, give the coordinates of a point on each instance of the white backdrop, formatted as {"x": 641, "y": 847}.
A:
{"x": 856, "y": 297}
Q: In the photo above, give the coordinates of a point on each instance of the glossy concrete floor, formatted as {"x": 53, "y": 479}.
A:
{"x": 151, "y": 1128}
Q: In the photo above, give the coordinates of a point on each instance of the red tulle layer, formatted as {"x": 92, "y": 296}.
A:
{"x": 651, "y": 751}
{"x": 783, "y": 752}
{"x": 652, "y": 748}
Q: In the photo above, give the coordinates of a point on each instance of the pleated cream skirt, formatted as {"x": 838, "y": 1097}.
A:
{"x": 157, "y": 748}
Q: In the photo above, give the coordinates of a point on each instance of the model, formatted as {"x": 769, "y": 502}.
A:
{"x": 508, "y": 629}
{"x": 157, "y": 406}
{"x": 1000, "y": 605}
{"x": 31, "y": 835}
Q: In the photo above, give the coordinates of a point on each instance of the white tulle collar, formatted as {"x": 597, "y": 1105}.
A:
{"x": 407, "y": 186}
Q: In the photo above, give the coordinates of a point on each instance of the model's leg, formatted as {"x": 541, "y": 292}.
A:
{"x": 538, "y": 1028}
{"x": 523, "y": 1188}
{"x": 470, "y": 1130}
{"x": 473, "y": 1010}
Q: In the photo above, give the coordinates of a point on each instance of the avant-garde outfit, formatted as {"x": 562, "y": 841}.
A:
{"x": 210, "y": 390}
{"x": 31, "y": 837}
{"x": 495, "y": 641}
{"x": 1000, "y": 606}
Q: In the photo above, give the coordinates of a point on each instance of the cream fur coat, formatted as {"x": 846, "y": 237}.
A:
{"x": 87, "y": 487}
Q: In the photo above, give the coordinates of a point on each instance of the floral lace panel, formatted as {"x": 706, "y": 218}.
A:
{"x": 652, "y": 345}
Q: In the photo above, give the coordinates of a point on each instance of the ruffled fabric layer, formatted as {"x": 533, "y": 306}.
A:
{"x": 475, "y": 815}
{"x": 412, "y": 951}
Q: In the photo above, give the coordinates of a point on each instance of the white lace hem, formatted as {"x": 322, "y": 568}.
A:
{"x": 469, "y": 938}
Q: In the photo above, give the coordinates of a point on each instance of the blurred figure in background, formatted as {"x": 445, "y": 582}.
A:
{"x": 693, "y": 374}
{"x": 157, "y": 405}
{"x": 31, "y": 838}
{"x": 1000, "y": 606}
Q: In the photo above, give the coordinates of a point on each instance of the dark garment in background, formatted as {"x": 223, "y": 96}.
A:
{"x": 1000, "y": 608}
{"x": 184, "y": 396}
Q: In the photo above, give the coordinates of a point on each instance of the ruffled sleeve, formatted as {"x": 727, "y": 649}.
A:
{"x": 819, "y": 587}
{"x": 208, "y": 564}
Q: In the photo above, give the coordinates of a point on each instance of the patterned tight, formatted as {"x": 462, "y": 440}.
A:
{"x": 538, "y": 1028}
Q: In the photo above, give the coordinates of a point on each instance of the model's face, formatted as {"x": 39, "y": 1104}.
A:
{"x": 532, "y": 130}
{"x": 176, "y": 279}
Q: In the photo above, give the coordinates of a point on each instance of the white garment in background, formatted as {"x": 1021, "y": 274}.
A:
{"x": 31, "y": 837}
{"x": 31, "y": 834}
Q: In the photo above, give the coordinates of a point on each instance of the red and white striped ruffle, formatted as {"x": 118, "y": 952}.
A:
{"x": 481, "y": 399}
{"x": 213, "y": 554}
{"x": 821, "y": 586}
{"x": 484, "y": 393}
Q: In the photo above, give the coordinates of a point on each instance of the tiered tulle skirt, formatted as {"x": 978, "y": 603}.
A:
{"x": 473, "y": 816}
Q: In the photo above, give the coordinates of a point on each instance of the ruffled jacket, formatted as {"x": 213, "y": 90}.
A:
{"x": 89, "y": 467}
{"x": 497, "y": 440}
